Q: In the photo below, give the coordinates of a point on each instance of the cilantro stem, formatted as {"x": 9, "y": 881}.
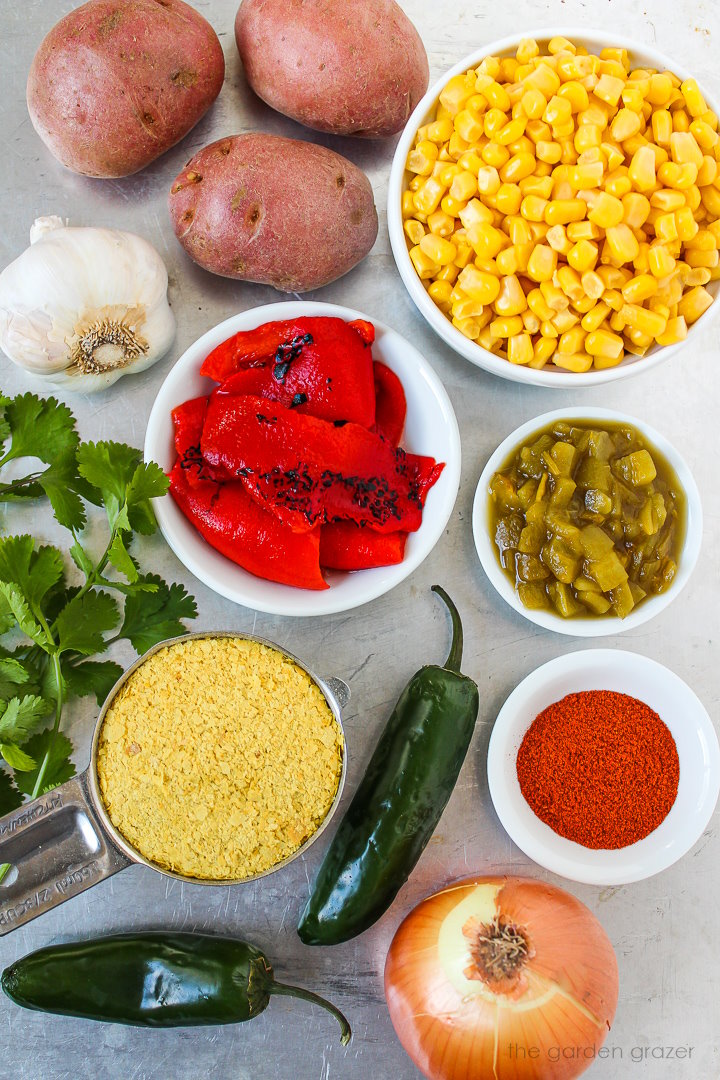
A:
{"x": 59, "y": 702}
{"x": 4, "y": 867}
{"x": 15, "y": 485}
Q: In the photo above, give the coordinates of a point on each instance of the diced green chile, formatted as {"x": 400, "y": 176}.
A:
{"x": 588, "y": 504}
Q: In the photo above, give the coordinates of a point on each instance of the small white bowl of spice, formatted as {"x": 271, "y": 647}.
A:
{"x": 604, "y": 767}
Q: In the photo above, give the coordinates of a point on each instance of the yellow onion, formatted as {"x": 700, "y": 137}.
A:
{"x": 501, "y": 978}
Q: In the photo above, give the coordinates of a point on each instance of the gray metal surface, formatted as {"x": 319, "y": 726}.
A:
{"x": 665, "y": 930}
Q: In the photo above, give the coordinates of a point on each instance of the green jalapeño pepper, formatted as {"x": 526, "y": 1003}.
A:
{"x": 399, "y": 802}
{"x": 152, "y": 980}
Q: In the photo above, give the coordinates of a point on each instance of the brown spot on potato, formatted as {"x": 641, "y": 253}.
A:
{"x": 188, "y": 215}
{"x": 356, "y": 217}
{"x": 224, "y": 149}
{"x": 340, "y": 181}
{"x": 238, "y": 265}
{"x": 321, "y": 67}
{"x": 236, "y": 201}
{"x": 109, "y": 24}
{"x": 185, "y": 78}
{"x": 253, "y": 216}
{"x": 193, "y": 177}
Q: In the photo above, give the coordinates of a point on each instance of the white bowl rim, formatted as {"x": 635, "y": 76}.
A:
{"x": 598, "y": 626}
{"x": 604, "y": 869}
{"x": 292, "y": 601}
{"x": 470, "y": 350}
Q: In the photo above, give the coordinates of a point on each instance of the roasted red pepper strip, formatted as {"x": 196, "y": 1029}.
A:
{"x": 347, "y": 546}
{"x": 231, "y": 521}
{"x": 308, "y": 470}
{"x": 390, "y": 404}
{"x": 319, "y": 365}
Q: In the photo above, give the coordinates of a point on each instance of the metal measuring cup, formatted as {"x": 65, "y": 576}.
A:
{"x": 63, "y": 843}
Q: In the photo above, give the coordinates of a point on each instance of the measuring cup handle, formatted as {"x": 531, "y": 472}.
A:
{"x": 56, "y": 848}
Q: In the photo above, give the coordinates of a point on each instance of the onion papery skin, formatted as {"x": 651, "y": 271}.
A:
{"x": 456, "y": 1028}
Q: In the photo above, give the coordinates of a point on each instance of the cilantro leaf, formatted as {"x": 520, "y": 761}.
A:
{"x": 40, "y": 427}
{"x": 16, "y": 758}
{"x": 24, "y": 616}
{"x": 21, "y": 717}
{"x": 59, "y": 767}
{"x": 152, "y": 617}
{"x": 10, "y": 797}
{"x": 148, "y": 482}
{"x": 83, "y": 621}
{"x": 91, "y": 677}
{"x": 7, "y": 619}
{"x": 109, "y": 467}
{"x": 59, "y": 482}
{"x": 121, "y": 558}
{"x": 12, "y": 675}
{"x": 81, "y": 559}
{"x": 35, "y": 572}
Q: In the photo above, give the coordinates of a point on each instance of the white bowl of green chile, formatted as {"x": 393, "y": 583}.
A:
{"x": 587, "y": 521}
{"x": 604, "y": 767}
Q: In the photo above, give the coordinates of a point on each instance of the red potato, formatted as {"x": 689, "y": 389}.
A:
{"x": 350, "y": 67}
{"x": 279, "y": 211}
{"x": 116, "y": 83}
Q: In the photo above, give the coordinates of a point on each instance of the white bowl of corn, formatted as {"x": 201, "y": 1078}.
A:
{"x": 554, "y": 207}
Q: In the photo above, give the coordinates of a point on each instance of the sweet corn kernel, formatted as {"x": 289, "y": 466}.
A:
{"x": 573, "y": 362}
{"x": 542, "y": 263}
{"x": 694, "y": 101}
{"x": 636, "y": 208}
{"x": 604, "y": 343}
{"x": 684, "y": 148}
{"x": 518, "y": 166}
{"x": 660, "y": 261}
{"x": 593, "y": 285}
{"x": 583, "y": 255}
{"x": 564, "y": 211}
{"x": 675, "y": 331}
{"x": 549, "y": 330}
{"x": 539, "y": 306}
{"x": 437, "y": 249}
{"x": 607, "y": 210}
{"x": 583, "y": 230}
{"x": 463, "y": 187}
{"x": 542, "y": 351}
{"x": 511, "y": 299}
{"x": 622, "y": 243}
{"x": 506, "y": 327}
{"x": 479, "y": 285}
{"x": 519, "y": 348}
{"x": 586, "y": 176}
{"x": 572, "y": 341}
{"x": 639, "y": 288}
{"x": 641, "y": 170}
{"x": 414, "y": 231}
{"x": 424, "y": 267}
{"x": 642, "y": 319}
{"x": 532, "y": 208}
{"x": 595, "y": 317}
{"x": 694, "y": 303}
{"x": 609, "y": 88}
{"x": 557, "y": 238}
{"x": 530, "y": 321}
{"x": 440, "y": 291}
{"x": 626, "y": 124}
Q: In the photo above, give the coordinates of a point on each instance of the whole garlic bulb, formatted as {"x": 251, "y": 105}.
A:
{"x": 83, "y": 306}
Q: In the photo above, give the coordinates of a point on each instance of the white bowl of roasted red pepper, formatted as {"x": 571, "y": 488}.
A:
{"x": 297, "y": 469}
{"x": 604, "y": 767}
{"x": 587, "y": 521}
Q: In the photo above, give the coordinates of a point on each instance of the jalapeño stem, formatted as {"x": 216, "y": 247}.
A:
{"x": 454, "y": 659}
{"x": 307, "y": 995}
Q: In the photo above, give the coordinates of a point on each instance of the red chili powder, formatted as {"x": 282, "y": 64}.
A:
{"x": 599, "y": 768}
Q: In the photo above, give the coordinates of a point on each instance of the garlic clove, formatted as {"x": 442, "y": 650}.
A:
{"x": 84, "y": 306}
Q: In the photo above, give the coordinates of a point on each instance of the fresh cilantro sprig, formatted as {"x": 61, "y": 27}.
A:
{"x": 58, "y": 628}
